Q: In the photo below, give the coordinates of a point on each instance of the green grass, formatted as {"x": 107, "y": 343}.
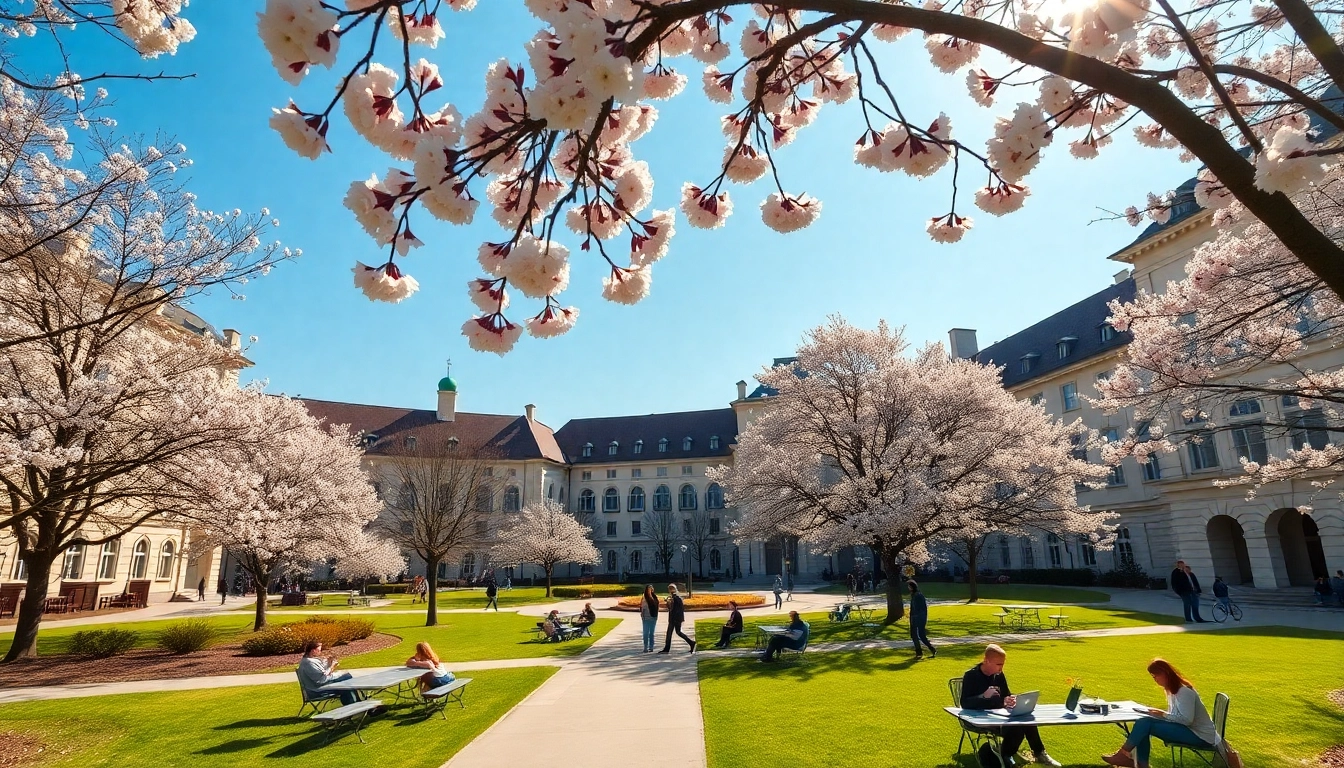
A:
{"x": 1025, "y": 593}
{"x": 255, "y": 725}
{"x": 884, "y": 709}
{"x": 457, "y": 598}
{"x": 458, "y": 637}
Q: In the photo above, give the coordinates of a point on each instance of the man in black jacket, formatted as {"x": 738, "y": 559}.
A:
{"x": 1184, "y": 584}
{"x": 985, "y": 687}
{"x": 676, "y": 614}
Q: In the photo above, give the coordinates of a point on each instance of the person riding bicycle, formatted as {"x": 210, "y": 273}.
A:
{"x": 1220, "y": 593}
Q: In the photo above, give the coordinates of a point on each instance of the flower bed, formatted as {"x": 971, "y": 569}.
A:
{"x": 705, "y": 601}
{"x": 597, "y": 590}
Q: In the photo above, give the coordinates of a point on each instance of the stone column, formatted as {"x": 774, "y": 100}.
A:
{"x": 1266, "y": 562}
{"x": 1331, "y": 525}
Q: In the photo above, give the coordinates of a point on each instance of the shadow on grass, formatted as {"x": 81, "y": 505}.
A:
{"x": 258, "y": 722}
{"x": 236, "y": 745}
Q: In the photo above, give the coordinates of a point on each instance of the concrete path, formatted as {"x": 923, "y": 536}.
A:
{"x": 614, "y": 697}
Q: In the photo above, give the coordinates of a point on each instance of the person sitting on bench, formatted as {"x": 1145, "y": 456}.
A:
{"x": 732, "y": 627}
{"x": 794, "y": 639}
{"x": 426, "y": 658}
{"x": 316, "y": 671}
{"x": 586, "y": 617}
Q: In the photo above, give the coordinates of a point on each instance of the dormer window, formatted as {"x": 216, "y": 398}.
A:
{"x": 370, "y": 439}
{"x": 639, "y": 446}
{"x": 1028, "y": 362}
{"x": 1107, "y": 332}
{"x": 714, "y": 443}
{"x": 662, "y": 445}
{"x": 686, "y": 444}
{"x": 613, "y": 447}
{"x": 1064, "y": 347}
{"x": 587, "y": 450}
{"x": 409, "y": 442}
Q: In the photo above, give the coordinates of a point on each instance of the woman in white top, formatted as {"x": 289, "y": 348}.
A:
{"x": 1185, "y": 720}
{"x": 426, "y": 658}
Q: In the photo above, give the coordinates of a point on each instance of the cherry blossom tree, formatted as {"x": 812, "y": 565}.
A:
{"x": 366, "y": 555}
{"x": 544, "y": 534}
{"x": 438, "y": 503}
{"x": 1247, "y": 323}
{"x": 287, "y": 494}
{"x": 863, "y": 445}
{"x": 1231, "y": 83}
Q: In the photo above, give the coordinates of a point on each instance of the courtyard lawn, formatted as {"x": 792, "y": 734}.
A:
{"x": 1020, "y": 593}
{"x": 458, "y": 637}
{"x": 884, "y": 709}
{"x": 456, "y": 598}
{"x": 254, "y": 725}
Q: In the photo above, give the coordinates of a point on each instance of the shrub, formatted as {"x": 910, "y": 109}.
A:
{"x": 102, "y": 643}
{"x": 290, "y": 638}
{"x": 1058, "y": 577}
{"x": 1128, "y": 575}
{"x": 187, "y": 636}
{"x": 598, "y": 590}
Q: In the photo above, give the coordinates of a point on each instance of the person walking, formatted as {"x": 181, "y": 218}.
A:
{"x": 200, "y": 590}
{"x": 1188, "y": 591}
{"x": 1337, "y": 584}
{"x": 648, "y": 614}
{"x": 223, "y": 589}
{"x": 789, "y": 587}
{"x": 919, "y": 619}
{"x": 491, "y": 595}
{"x": 779, "y": 592}
{"x": 676, "y": 614}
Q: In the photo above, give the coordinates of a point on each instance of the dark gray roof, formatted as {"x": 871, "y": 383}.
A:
{"x": 700, "y": 426}
{"x": 764, "y": 391}
{"x": 1081, "y": 321}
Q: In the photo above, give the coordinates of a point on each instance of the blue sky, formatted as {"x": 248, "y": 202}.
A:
{"x": 723, "y": 302}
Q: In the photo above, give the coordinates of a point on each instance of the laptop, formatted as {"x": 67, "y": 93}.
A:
{"x": 1024, "y": 706}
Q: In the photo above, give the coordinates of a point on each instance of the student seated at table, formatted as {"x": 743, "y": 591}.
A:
{"x": 841, "y": 613}
{"x": 730, "y": 627}
{"x": 587, "y": 617}
{"x": 316, "y": 671}
{"x": 426, "y": 658}
{"x": 793, "y": 639}
{"x": 1185, "y": 720}
{"x": 985, "y": 687}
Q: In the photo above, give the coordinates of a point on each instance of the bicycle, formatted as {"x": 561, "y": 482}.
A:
{"x": 1220, "y": 613}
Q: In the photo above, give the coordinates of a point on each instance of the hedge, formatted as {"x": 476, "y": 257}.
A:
{"x": 1058, "y": 577}
{"x": 1127, "y": 575}
{"x": 290, "y": 638}
{"x": 102, "y": 643}
{"x": 597, "y": 590}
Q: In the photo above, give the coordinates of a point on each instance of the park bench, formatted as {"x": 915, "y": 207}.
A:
{"x": 358, "y": 599}
{"x": 438, "y": 698}
{"x": 314, "y": 699}
{"x": 353, "y": 714}
{"x": 739, "y": 633}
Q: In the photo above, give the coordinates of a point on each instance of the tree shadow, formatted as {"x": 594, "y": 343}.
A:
{"x": 268, "y": 722}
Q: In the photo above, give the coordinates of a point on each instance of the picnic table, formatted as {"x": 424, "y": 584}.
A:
{"x": 1018, "y": 616}
{"x": 864, "y": 610}
{"x": 360, "y": 600}
{"x": 1122, "y": 713}
{"x": 765, "y": 632}
{"x": 400, "y": 682}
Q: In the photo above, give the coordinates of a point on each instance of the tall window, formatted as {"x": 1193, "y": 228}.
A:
{"x": 468, "y": 565}
{"x": 587, "y": 450}
{"x": 1249, "y": 443}
{"x": 482, "y": 528}
{"x": 485, "y": 500}
{"x": 166, "y": 553}
{"x": 661, "y": 472}
{"x": 107, "y": 560}
{"x": 611, "y": 500}
{"x": 20, "y": 569}
{"x": 1124, "y": 547}
{"x": 587, "y": 500}
{"x": 611, "y": 529}
{"x": 1116, "y": 476}
{"x": 714, "y": 526}
{"x": 636, "y": 529}
{"x": 662, "y": 499}
{"x": 636, "y": 561}
{"x": 513, "y": 499}
{"x": 662, "y": 445}
{"x": 613, "y": 447}
{"x": 686, "y": 443}
{"x": 1107, "y": 332}
{"x": 1244, "y": 408}
{"x": 686, "y": 527}
{"x": 687, "y": 497}
{"x": 73, "y": 567}
{"x": 611, "y": 474}
{"x": 714, "y": 497}
{"x": 586, "y": 474}
{"x": 1079, "y": 447}
{"x": 560, "y": 497}
{"x": 611, "y": 560}
{"x": 140, "y": 559}
{"x": 1069, "y": 394}
{"x": 1088, "y": 552}
{"x": 1308, "y": 428}
{"x": 1005, "y": 554}
{"x": 639, "y": 446}
{"x": 1064, "y": 347}
{"x": 1027, "y": 363}
{"x": 636, "y": 473}
{"x": 1028, "y": 554}
{"x": 1203, "y": 452}
{"x": 636, "y": 499}
{"x": 1052, "y": 546}
{"x": 714, "y": 443}
{"x": 715, "y": 560}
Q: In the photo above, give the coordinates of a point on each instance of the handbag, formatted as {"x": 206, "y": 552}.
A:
{"x": 1231, "y": 756}
{"x": 987, "y": 757}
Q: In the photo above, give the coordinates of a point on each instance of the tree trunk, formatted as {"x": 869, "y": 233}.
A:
{"x": 895, "y": 602}
{"x": 549, "y": 568}
{"x": 259, "y": 616}
{"x": 972, "y": 554}
{"x": 432, "y": 591}
{"x": 24, "y": 643}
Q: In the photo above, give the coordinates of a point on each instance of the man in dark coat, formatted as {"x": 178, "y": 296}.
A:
{"x": 1184, "y": 584}
{"x": 676, "y": 614}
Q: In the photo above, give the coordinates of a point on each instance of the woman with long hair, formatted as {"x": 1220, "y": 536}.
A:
{"x": 648, "y": 613}
{"x": 1184, "y": 721}
{"x": 425, "y": 658}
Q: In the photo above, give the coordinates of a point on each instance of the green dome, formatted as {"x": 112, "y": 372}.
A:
{"x": 446, "y": 384}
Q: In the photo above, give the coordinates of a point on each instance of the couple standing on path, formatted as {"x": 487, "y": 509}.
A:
{"x": 676, "y": 614}
{"x": 1184, "y": 584}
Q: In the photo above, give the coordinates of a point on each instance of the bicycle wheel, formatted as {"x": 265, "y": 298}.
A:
{"x": 1219, "y": 613}
{"x": 1236, "y": 612}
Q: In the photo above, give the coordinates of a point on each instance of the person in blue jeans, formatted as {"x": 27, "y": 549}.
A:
{"x": 1220, "y": 593}
{"x": 1184, "y": 721}
{"x": 779, "y": 592}
{"x": 794, "y": 638}
{"x": 648, "y": 613}
{"x": 316, "y": 671}
{"x": 1184, "y": 584}
{"x": 919, "y": 619}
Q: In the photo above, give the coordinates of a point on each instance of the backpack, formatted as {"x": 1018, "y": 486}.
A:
{"x": 988, "y": 758}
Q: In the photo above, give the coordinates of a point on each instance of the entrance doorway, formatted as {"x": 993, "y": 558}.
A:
{"x": 1227, "y": 543}
{"x": 1299, "y": 546}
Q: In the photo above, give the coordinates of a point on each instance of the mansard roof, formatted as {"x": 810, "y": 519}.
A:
{"x": 700, "y": 426}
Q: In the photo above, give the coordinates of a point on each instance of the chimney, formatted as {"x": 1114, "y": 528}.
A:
{"x": 741, "y": 390}
{"x": 233, "y": 339}
{"x": 1122, "y": 276}
{"x": 531, "y": 411}
{"x": 964, "y": 345}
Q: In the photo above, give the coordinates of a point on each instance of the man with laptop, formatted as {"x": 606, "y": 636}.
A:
{"x": 985, "y": 687}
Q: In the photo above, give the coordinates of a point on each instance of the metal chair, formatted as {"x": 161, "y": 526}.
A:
{"x": 315, "y": 699}
{"x": 976, "y": 735}
{"x": 1208, "y": 755}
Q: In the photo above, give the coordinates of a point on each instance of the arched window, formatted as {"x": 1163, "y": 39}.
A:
{"x": 715, "y": 560}
{"x": 140, "y": 559}
{"x": 611, "y": 500}
{"x": 485, "y": 500}
{"x": 639, "y": 446}
{"x": 662, "y": 499}
{"x": 687, "y": 497}
{"x": 611, "y": 560}
{"x": 587, "y": 449}
{"x": 662, "y": 445}
{"x": 561, "y": 498}
{"x": 714, "y": 497}
{"x": 613, "y": 447}
{"x": 513, "y": 499}
{"x": 587, "y": 501}
{"x": 107, "y": 560}
{"x": 636, "y": 561}
{"x": 714, "y": 443}
{"x": 636, "y": 499}
{"x": 468, "y": 565}
{"x": 550, "y": 491}
{"x": 166, "y": 553}
{"x": 686, "y": 443}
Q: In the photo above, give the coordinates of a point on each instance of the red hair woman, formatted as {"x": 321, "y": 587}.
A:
{"x": 1184, "y": 721}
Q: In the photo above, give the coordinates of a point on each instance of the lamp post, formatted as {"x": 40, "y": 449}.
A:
{"x": 685, "y": 557}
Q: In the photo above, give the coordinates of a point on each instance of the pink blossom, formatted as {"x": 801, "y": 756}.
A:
{"x": 1287, "y": 164}
{"x": 491, "y": 333}
{"x": 297, "y": 33}
{"x": 718, "y": 87}
{"x": 552, "y": 321}
{"x": 950, "y": 54}
{"x": 746, "y": 166}
{"x": 663, "y": 83}
{"x": 489, "y": 295}
{"x": 652, "y": 244}
{"x": 949, "y": 228}
{"x": 299, "y": 132}
{"x": 385, "y": 283}
{"x": 538, "y": 268}
{"x": 981, "y": 87}
{"x": 628, "y": 285}
{"x": 787, "y": 213}
{"x": 422, "y": 29}
{"x": 1002, "y": 198}
{"x": 703, "y": 210}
